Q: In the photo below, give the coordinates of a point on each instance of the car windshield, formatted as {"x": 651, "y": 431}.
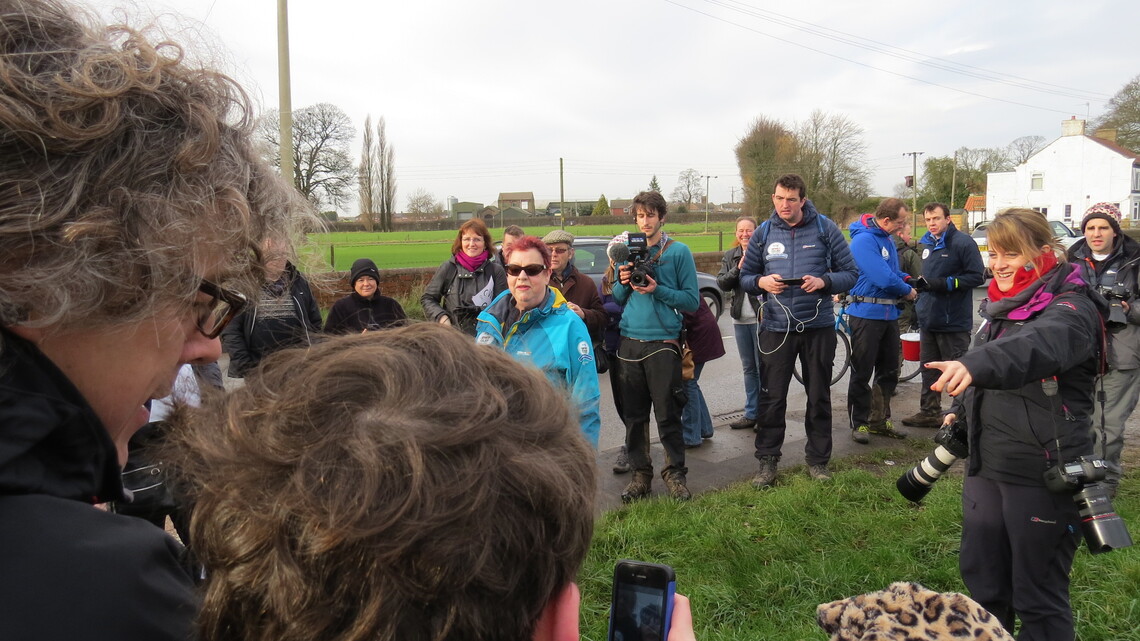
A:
{"x": 979, "y": 233}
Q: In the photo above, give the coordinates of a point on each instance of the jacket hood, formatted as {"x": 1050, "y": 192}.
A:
{"x": 1127, "y": 248}
{"x": 810, "y": 214}
{"x": 928, "y": 238}
{"x": 865, "y": 224}
{"x": 51, "y": 441}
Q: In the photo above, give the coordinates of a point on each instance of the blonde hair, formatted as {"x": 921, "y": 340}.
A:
{"x": 1023, "y": 231}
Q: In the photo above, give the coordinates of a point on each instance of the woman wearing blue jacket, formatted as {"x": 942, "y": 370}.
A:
{"x": 532, "y": 323}
{"x": 874, "y": 315}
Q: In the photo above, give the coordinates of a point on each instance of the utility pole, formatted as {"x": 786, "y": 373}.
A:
{"x": 707, "y": 179}
{"x": 561, "y": 197}
{"x": 954, "y": 181}
{"x": 732, "y": 192}
{"x": 285, "y": 104}
{"x": 914, "y": 187}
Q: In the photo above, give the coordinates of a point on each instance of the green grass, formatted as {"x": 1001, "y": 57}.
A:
{"x": 430, "y": 248}
{"x": 757, "y": 563}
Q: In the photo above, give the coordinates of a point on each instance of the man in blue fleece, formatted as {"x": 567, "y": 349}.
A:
{"x": 649, "y": 355}
{"x": 874, "y": 317}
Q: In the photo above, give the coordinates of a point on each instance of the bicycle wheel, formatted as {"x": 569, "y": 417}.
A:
{"x": 907, "y": 369}
{"x": 842, "y": 359}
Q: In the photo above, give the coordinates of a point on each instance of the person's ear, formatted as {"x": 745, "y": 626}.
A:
{"x": 559, "y": 619}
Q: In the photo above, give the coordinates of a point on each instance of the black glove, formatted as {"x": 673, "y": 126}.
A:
{"x": 936, "y": 285}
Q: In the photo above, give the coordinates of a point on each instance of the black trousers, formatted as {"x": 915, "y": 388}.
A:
{"x": 874, "y": 352}
{"x": 650, "y": 374}
{"x": 1018, "y": 544}
{"x": 779, "y": 351}
{"x": 938, "y": 346}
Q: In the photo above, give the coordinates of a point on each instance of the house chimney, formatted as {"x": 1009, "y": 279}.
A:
{"x": 1106, "y": 134}
{"x": 1072, "y": 127}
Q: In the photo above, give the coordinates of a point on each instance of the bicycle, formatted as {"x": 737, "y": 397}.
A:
{"x": 907, "y": 369}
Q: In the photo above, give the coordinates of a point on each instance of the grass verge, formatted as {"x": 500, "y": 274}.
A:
{"x": 757, "y": 563}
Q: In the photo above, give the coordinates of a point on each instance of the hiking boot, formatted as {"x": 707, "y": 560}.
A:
{"x": 766, "y": 477}
{"x": 675, "y": 484}
{"x": 887, "y": 428}
{"x": 742, "y": 423}
{"x": 861, "y": 434}
{"x": 923, "y": 419}
{"x": 621, "y": 463}
{"x": 819, "y": 472}
{"x": 639, "y": 487}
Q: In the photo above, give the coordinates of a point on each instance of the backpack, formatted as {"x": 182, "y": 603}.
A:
{"x": 823, "y": 236}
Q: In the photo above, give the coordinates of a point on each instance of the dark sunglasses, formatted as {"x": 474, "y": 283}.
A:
{"x": 531, "y": 270}
{"x": 225, "y": 304}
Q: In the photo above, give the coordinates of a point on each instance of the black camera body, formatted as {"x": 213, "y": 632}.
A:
{"x": 640, "y": 267}
{"x": 1101, "y": 526}
{"x": 1115, "y": 293}
{"x": 919, "y": 284}
{"x": 953, "y": 444}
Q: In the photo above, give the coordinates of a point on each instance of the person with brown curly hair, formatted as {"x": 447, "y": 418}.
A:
{"x": 133, "y": 206}
{"x": 413, "y": 489}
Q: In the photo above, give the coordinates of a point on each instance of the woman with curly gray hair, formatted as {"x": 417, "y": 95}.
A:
{"x": 132, "y": 207}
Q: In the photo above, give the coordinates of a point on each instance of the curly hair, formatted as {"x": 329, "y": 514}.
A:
{"x": 649, "y": 201}
{"x": 474, "y": 225}
{"x": 410, "y": 486}
{"x": 125, "y": 173}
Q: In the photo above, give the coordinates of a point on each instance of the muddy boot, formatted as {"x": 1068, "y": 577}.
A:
{"x": 675, "y": 483}
{"x": 877, "y": 405}
{"x": 640, "y": 487}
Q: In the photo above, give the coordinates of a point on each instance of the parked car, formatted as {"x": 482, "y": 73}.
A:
{"x": 1062, "y": 231}
{"x": 590, "y": 259}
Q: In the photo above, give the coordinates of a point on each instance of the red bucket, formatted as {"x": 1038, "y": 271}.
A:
{"x": 910, "y": 349}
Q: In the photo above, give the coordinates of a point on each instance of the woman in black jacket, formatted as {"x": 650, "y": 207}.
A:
{"x": 365, "y": 308}
{"x": 744, "y": 310}
{"x": 1025, "y": 391}
{"x": 467, "y": 282}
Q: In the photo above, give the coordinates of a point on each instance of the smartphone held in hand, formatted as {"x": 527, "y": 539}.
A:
{"x": 642, "y": 602}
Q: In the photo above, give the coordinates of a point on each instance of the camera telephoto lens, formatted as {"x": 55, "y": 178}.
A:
{"x": 916, "y": 483}
{"x": 1101, "y": 526}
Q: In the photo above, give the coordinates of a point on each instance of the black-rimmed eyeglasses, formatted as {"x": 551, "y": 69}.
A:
{"x": 223, "y": 306}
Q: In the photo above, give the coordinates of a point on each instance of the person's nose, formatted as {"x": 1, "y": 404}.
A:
{"x": 200, "y": 350}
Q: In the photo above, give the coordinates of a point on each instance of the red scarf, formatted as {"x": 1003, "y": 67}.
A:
{"x": 1024, "y": 277}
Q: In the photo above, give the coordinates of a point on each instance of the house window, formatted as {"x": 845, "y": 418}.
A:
{"x": 1135, "y": 179}
{"x": 1068, "y": 212}
{"x": 1136, "y": 210}
{"x": 1037, "y": 181}
{"x": 1044, "y": 211}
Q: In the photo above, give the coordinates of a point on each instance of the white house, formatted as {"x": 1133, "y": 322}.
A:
{"x": 1068, "y": 176}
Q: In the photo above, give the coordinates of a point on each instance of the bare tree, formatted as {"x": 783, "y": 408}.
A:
{"x": 385, "y": 186}
{"x": 421, "y": 203}
{"x": 833, "y": 161}
{"x": 1021, "y": 149}
{"x": 1122, "y": 113}
{"x": 688, "y": 187}
{"x": 767, "y": 151}
{"x": 367, "y": 175}
{"x": 322, "y": 166}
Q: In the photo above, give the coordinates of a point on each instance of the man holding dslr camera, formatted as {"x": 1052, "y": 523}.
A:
{"x": 1108, "y": 259}
{"x": 649, "y": 356}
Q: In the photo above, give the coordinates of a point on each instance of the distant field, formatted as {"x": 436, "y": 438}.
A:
{"x": 430, "y": 248}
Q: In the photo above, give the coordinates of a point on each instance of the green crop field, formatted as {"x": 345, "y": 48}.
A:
{"x": 430, "y": 248}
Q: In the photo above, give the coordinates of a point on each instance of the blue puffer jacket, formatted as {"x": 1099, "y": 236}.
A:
{"x": 952, "y": 265}
{"x": 552, "y": 338}
{"x": 793, "y": 252}
{"x": 879, "y": 275}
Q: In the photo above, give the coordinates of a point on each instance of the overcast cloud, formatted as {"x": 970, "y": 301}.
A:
{"x": 482, "y": 97}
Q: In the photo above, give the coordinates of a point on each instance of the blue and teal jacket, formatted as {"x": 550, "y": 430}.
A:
{"x": 657, "y": 316}
{"x": 552, "y": 338}
{"x": 879, "y": 275}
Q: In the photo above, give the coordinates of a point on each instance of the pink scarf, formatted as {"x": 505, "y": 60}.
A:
{"x": 471, "y": 263}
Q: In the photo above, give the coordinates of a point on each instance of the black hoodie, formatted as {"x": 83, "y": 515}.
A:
{"x": 69, "y": 570}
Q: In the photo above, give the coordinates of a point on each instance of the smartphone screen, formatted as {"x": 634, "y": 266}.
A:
{"x": 642, "y": 603}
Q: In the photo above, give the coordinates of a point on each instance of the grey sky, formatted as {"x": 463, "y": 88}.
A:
{"x": 485, "y": 96}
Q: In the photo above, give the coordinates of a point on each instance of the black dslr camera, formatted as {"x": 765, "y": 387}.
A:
{"x": 953, "y": 444}
{"x": 640, "y": 268}
{"x": 1101, "y": 526}
{"x": 1115, "y": 293}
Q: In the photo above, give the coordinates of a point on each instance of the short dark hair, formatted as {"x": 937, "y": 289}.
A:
{"x": 649, "y": 201}
{"x": 415, "y": 486}
{"x": 935, "y": 207}
{"x": 890, "y": 209}
{"x": 531, "y": 242}
{"x": 514, "y": 230}
{"x": 791, "y": 181}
